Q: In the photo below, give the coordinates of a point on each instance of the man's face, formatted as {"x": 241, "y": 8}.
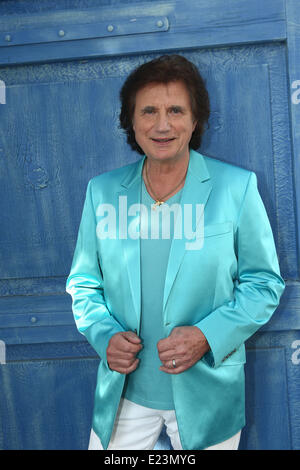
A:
{"x": 163, "y": 121}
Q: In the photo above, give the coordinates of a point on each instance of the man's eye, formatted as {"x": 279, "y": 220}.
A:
{"x": 149, "y": 111}
{"x": 176, "y": 110}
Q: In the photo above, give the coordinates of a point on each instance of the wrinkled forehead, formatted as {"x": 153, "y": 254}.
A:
{"x": 158, "y": 94}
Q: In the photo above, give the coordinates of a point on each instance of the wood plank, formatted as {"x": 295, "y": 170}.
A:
{"x": 47, "y": 404}
{"x": 267, "y": 409}
{"x": 191, "y": 25}
{"x": 17, "y": 327}
{"x": 293, "y": 48}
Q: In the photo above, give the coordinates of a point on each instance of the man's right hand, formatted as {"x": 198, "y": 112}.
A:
{"x": 121, "y": 352}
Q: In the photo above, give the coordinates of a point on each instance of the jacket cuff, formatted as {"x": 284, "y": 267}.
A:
{"x": 216, "y": 355}
{"x": 99, "y": 334}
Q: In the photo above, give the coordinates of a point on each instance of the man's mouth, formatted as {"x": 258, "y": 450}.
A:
{"x": 163, "y": 141}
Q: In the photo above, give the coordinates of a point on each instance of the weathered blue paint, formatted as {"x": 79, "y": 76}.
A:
{"x": 71, "y": 32}
{"x": 293, "y": 48}
{"x": 191, "y": 25}
{"x": 59, "y": 128}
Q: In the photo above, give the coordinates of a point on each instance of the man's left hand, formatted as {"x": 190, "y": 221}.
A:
{"x": 185, "y": 345}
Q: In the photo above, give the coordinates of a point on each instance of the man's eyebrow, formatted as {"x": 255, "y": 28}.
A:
{"x": 149, "y": 107}
{"x": 172, "y": 106}
{"x": 177, "y": 106}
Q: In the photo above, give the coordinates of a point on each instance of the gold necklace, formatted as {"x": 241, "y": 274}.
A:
{"x": 159, "y": 201}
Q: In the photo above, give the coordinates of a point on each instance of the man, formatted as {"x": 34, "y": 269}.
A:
{"x": 169, "y": 315}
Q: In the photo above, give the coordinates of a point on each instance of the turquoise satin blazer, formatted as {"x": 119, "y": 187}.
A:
{"x": 229, "y": 288}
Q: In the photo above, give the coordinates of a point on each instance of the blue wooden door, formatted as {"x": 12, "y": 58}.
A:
{"x": 61, "y": 69}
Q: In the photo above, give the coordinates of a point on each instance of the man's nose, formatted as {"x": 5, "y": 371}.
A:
{"x": 162, "y": 122}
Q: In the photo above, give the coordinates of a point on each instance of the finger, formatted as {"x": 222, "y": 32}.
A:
{"x": 121, "y": 362}
{"x": 126, "y": 358}
{"x": 131, "y": 337}
{"x": 164, "y": 345}
{"x": 173, "y": 370}
{"x": 115, "y": 355}
{"x": 181, "y": 366}
{"x": 166, "y": 356}
{"x": 170, "y": 364}
{"x": 127, "y": 345}
{"x": 125, "y": 370}
{"x": 132, "y": 368}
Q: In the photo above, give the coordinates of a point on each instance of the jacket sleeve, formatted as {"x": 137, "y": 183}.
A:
{"x": 258, "y": 286}
{"x": 85, "y": 285}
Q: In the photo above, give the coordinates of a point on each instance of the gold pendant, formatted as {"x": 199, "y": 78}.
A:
{"x": 156, "y": 204}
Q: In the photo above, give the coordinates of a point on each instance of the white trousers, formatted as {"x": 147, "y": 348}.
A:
{"x": 138, "y": 428}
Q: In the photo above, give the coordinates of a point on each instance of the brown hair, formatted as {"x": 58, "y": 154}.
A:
{"x": 165, "y": 69}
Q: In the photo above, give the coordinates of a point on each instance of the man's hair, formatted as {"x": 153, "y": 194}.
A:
{"x": 165, "y": 69}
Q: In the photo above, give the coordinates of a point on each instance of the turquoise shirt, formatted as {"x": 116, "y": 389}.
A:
{"x": 147, "y": 385}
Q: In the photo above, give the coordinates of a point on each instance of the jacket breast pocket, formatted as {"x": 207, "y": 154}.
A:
{"x": 213, "y": 230}
{"x": 211, "y": 236}
{"x": 218, "y": 242}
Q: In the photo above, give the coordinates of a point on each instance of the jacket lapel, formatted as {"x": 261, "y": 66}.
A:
{"x": 131, "y": 189}
{"x": 196, "y": 190}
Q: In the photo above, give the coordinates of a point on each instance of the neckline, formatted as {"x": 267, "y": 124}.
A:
{"x": 153, "y": 200}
